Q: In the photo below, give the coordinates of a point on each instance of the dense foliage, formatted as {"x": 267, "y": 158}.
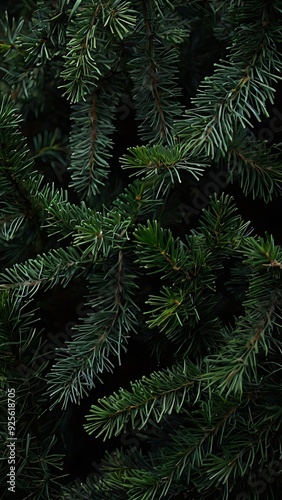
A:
{"x": 137, "y": 305}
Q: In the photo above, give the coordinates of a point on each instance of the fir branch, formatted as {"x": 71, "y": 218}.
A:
{"x": 237, "y": 362}
{"x": 102, "y": 334}
{"x": 156, "y": 109}
{"x": 255, "y": 166}
{"x": 239, "y": 87}
{"x": 212, "y": 315}
{"x": 153, "y": 397}
{"x": 162, "y": 164}
{"x": 92, "y": 34}
{"x": 222, "y": 228}
{"x": 57, "y": 266}
{"x": 21, "y": 345}
{"x": 92, "y": 124}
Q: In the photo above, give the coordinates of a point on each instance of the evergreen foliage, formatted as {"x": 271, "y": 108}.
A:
{"x": 91, "y": 218}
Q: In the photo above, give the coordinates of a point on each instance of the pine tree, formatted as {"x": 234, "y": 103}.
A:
{"x": 100, "y": 145}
